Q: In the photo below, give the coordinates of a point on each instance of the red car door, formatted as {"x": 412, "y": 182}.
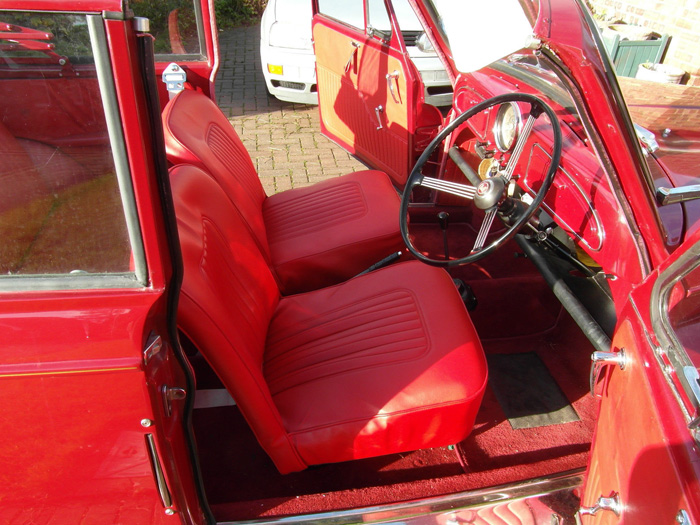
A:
{"x": 94, "y": 393}
{"x": 370, "y": 94}
{"x": 644, "y": 466}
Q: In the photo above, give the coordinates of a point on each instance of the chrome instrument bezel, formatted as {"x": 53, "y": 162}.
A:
{"x": 498, "y": 129}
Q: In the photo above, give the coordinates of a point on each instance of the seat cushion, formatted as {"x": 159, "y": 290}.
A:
{"x": 384, "y": 363}
{"x": 331, "y": 231}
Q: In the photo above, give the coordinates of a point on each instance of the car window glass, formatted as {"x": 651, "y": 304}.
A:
{"x": 350, "y": 12}
{"x": 175, "y": 24}
{"x": 61, "y": 210}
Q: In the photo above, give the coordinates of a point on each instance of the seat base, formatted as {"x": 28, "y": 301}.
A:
{"x": 329, "y": 232}
{"x": 385, "y": 363}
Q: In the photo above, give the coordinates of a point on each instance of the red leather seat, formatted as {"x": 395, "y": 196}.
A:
{"x": 383, "y": 363}
{"x": 313, "y": 236}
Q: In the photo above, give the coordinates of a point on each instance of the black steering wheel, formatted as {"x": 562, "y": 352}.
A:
{"x": 490, "y": 194}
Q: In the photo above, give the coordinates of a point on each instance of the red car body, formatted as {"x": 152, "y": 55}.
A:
{"x": 97, "y": 393}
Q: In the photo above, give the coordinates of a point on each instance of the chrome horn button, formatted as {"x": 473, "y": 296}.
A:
{"x": 489, "y": 192}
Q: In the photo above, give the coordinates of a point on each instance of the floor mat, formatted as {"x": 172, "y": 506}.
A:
{"x": 527, "y": 392}
{"x": 507, "y": 454}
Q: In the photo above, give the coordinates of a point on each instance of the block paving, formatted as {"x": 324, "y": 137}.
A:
{"x": 284, "y": 139}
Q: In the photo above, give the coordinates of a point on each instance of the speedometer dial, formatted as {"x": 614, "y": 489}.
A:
{"x": 507, "y": 126}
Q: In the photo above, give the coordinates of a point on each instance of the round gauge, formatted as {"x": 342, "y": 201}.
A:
{"x": 507, "y": 125}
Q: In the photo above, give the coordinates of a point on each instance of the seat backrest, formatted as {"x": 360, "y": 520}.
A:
{"x": 227, "y": 300}
{"x": 198, "y": 133}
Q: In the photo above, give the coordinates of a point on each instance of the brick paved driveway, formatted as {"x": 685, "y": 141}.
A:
{"x": 284, "y": 139}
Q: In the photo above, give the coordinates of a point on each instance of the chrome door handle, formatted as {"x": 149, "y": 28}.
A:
{"x": 392, "y": 78}
{"x": 600, "y": 360}
{"x": 353, "y": 56}
{"x": 377, "y": 111}
{"x": 611, "y": 503}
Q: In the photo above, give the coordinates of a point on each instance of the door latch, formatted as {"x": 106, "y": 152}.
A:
{"x": 174, "y": 78}
{"x": 170, "y": 394}
{"x": 611, "y": 503}
{"x": 602, "y": 359}
{"x": 155, "y": 345}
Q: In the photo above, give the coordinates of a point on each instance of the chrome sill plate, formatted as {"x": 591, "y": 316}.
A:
{"x": 458, "y": 508}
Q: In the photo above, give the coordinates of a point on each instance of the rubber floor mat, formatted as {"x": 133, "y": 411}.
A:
{"x": 527, "y": 392}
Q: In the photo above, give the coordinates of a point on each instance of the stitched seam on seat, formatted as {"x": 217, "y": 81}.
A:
{"x": 231, "y": 156}
{"x": 317, "y": 211}
{"x": 344, "y": 336}
{"x": 359, "y": 341}
{"x": 360, "y": 305}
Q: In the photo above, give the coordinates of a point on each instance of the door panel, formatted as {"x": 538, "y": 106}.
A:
{"x": 367, "y": 96}
{"x": 73, "y": 397}
{"x": 644, "y": 452}
{"x": 631, "y": 455}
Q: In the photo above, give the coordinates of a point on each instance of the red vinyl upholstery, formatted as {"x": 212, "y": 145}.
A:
{"x": 313, "y": 236}
{"x": 380, "y": 364}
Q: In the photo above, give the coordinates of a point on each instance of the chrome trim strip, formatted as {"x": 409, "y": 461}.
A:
{"x": 158, "y": 474}
{"x": 415, "y": 512}
{"x": 103, "y": 67}
{"x": 18, "y": 283}
{"x": 594, "y": 213}
{"x": 666, "y": 336}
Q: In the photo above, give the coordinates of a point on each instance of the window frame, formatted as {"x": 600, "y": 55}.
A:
{"x": 138, "y": 277}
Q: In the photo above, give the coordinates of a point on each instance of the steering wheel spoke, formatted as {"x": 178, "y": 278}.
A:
{"x": 519, "y": 147}
{"x": 484, "y": 230}
{"x": 460, "y": 190}
{"x": 490, "y": 193}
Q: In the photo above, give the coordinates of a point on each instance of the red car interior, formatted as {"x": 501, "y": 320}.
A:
{"x": 312, "y": 237}
{"x": 384, "y": 363}
{"x": 197, "y": 351}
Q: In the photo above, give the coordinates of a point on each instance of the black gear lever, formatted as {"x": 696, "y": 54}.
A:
{"x": 444, "y": 220}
